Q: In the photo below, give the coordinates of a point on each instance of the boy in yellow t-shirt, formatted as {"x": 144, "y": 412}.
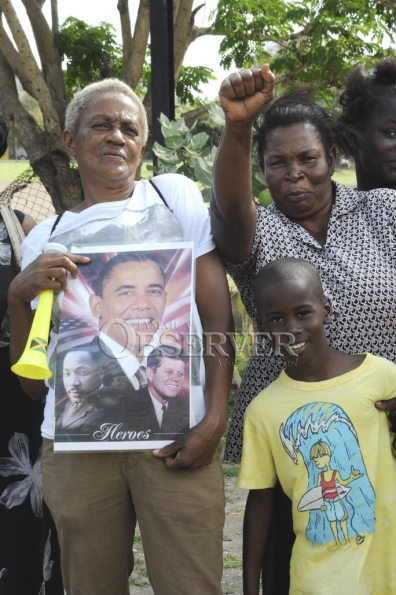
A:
{"x": 316, "y": 430}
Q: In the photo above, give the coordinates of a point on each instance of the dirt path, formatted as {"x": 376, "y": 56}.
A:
{"x": 232, "y": 576}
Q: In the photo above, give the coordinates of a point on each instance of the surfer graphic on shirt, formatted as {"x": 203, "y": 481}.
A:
{"x": 329, "y": 480}
{"x": 323, "y": 437}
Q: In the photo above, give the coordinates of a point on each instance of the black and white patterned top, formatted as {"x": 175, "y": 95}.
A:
{"x": 357, "y": 266}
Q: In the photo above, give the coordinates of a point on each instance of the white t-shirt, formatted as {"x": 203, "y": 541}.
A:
{"x": 133, "y": 220}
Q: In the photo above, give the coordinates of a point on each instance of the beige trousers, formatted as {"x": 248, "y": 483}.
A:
{"x": 96, "y": 498}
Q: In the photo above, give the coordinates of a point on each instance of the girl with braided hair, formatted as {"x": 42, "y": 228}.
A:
{"x": 369, "y": 107}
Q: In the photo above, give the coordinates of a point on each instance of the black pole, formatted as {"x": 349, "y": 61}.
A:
{"x": 162, "y": 68}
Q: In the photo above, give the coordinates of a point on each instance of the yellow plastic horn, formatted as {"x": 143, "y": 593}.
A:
{"x": 33, "y": 361}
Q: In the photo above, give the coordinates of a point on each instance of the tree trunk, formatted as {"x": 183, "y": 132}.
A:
{"x": 184, "y": 33}
{"x": 54, "y": 16}
{"x": 183, "y": 22}
{"x": 50, "y": 58}
{"x": 29, "y": 68}
{"x": 61, "y": 181}
{"x": 47, "y": 157}
{"x": 134, "y": 48}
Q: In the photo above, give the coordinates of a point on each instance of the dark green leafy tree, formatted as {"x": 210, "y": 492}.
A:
{"x": 311, "y": 45}
{"x": 190, "y": 80}
{"x": 92, "y": 53}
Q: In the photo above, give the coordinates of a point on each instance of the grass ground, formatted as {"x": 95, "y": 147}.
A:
{"x": 232, "y": 547}
{"x": 9, "y": 170}
{"x": 232, "y": 540}
{"x": 345, "y": 176}
{"x": 146, "y": 174}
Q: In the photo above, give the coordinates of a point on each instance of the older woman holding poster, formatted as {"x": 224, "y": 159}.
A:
{"x": 176, "y": 495}
{"x": 348, "y": 235}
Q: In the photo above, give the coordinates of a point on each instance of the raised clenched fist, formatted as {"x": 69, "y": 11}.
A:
{"x": 244, "y": 94}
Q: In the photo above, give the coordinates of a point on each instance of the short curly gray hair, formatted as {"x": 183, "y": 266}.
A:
{"x": 83, "y": 98}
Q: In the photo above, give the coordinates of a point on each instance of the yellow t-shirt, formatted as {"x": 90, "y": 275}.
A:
{"x": 331, "y": 450}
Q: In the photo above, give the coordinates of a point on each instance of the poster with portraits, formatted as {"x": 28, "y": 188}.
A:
{"x": 123, "y": 377}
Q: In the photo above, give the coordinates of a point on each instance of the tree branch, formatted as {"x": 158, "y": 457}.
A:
{"x": 147, "y": 102}
{"x": 184, "y": 23}
{"x": 283, "y": 41}
{"x": 289, "y": 78}
{"x": 310, "y": 86}
{"x": 185, "y": 31}
{"x": 22, "y": 124}
{"x": 197, "y": 9}
{"x": 126, "y": 32}
{"x": 134, "y": 48}
{"x": 303, "y": 33}
{"x": 32, "y": 71}
{"x": 201, "y": 31}
{"x": 49, "y": 55}
{"x": 50, "y": 163}
{"x": 388, "y": 4}
{"x": 14, "y": 60}
{"x": 195, "y": 113}
{"x": 54, "y": 16}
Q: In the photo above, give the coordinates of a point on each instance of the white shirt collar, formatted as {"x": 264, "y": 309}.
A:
{"x": 128, "y": 362}
{"x": 158, "y": 408}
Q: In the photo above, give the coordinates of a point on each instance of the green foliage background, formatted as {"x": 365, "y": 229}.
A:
{"x": 83, "y": 47}
{"x": 313, "y": 43}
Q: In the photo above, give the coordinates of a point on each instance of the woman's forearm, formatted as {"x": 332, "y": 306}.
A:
{"x": 233, "y": 212}
{"x": 232, "y": 180}
{"x": 243, "y": 96}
